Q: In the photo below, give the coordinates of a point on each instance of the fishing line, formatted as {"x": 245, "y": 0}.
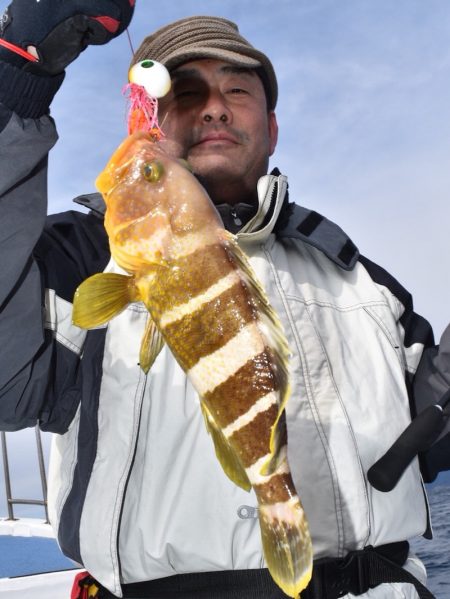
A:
{"x": 142, "y": 99}
{"x": 129, "y": 41}
{"x": 164, "y": 120}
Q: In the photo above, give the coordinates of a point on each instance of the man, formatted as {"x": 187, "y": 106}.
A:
{"x": 136, "y": 494}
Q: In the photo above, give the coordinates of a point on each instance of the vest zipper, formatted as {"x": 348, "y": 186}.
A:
{"x": 128, "y": 478}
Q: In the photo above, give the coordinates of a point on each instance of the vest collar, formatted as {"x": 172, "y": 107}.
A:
{"x": 303, "y": 224}
{"x": 316, "y": 230}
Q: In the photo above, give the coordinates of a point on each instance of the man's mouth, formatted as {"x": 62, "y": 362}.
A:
{"x": 216, "y": 137}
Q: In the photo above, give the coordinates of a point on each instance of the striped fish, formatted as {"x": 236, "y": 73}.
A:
{"x": 205, "y": 303}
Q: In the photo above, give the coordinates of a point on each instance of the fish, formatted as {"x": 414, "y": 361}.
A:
{"x": 205, "y": 303}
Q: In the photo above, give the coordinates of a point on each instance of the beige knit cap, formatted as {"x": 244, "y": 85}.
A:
{"x": 207, "y": 37}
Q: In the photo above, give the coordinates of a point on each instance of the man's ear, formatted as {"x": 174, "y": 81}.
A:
{"x": 273, "y": 131}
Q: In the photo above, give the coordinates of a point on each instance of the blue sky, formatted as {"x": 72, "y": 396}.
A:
{"x": 364, "y": 115}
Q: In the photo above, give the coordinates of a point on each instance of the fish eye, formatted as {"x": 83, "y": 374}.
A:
{"x": 152, "y": 171}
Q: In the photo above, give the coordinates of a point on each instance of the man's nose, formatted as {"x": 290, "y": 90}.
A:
{"x": 216, "y": 109}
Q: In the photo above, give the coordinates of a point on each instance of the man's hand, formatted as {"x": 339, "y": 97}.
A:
{"x": 57, "y": 31}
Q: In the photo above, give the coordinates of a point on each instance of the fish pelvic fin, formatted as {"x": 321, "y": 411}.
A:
{"x": 270, "y": 325}
{"x": 227, "y": 457}
{"x": 287, "y": 545}
{"x": 152, "y": 343}
{"x": 101, "y": 297}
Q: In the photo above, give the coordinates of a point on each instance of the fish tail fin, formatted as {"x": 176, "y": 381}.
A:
{"x": 287, "y": 545}
{"x": 101, "y": 297}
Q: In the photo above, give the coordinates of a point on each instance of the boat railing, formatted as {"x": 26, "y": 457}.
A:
{"x": 12, "y": 501}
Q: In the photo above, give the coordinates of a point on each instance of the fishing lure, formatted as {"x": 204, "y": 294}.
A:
{"x": 148, "y": 81}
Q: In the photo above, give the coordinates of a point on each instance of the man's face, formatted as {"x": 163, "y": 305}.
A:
{"x": 216, "y": 117}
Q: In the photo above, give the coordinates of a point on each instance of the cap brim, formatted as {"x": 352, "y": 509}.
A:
{"x": 177, "y": 58}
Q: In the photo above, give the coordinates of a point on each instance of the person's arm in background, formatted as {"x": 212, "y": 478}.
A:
{"x": 32, "y": 372}
{"x": 431, "y": 384}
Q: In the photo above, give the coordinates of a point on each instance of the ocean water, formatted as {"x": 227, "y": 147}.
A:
{"x": 20, "y": 555}
{"x": 30, "y": 555}
{"x": 436, "y": 553}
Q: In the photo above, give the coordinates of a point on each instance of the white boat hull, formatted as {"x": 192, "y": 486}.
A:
{"x": 49, "y": 585}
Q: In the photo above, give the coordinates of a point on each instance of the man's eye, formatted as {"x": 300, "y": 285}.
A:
{"x": 186, "y": 93}
{"x": 238, "y": 90}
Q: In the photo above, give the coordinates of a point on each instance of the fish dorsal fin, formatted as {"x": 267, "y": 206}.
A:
{"x": 101, "y": 297}
{"x": 152, "y": 343}
{"x": 225, "y": 454}
{"x": 272, "y": 329}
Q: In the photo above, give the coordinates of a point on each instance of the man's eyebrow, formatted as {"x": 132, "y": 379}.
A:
{"x": 237, "y": 70}
{"x": 184, "y": 73}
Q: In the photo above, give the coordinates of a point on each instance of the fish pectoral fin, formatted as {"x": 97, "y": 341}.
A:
{"x": 227, "y": 457}
{"x": 152, "y": 343}
{"x": 287, "y": 545}
{"x": 101, "y": 297}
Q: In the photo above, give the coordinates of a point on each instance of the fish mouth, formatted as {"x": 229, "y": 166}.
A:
{"x": 109, "y": 179}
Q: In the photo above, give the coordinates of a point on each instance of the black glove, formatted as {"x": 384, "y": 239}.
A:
{"x": 60, "y": 29}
